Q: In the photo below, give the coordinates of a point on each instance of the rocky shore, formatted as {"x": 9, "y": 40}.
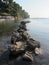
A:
{"x": 21, "y": 52}
{"x": 22, "y": 44}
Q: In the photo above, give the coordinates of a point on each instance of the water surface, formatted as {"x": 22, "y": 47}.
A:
{"x": 39, "y": 30}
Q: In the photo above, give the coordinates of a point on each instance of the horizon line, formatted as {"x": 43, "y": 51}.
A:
{"x": 39, "y": 18}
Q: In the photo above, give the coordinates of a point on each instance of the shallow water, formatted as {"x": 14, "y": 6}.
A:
{"x": 39, "y": 30}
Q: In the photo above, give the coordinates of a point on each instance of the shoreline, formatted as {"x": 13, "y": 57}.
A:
{"x": 8, "y": 18}
{"x": 2, "y": 20}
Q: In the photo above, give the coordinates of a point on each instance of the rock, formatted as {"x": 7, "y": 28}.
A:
{"x": 23, "y": 44}
{"x": 38, "y": 51}
{"x": 20, "y": 30}
{"x": 17, "y": 48}
{"x": 28, "y": 56}
{"x": 32, "y": 44}
{"x": 15, "y": 37}
{"x": 20, "y": 45}
{"x": 25, "y": 35}
{"x": 24, "y": 22}
{"x": 23, "y": 25}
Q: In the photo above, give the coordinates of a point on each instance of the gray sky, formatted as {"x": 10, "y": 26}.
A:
{"x": 35, "y": 8}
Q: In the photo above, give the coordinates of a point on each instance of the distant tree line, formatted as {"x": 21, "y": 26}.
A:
{"x": 12, "y": 8}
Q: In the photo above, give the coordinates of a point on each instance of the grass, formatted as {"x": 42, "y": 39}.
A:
{"x": 7, "y": 27}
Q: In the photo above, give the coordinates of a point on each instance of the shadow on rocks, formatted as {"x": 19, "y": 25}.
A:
{"x": 5, "y": 59}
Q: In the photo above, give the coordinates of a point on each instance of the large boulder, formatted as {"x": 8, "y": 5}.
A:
{"x": 18, "y": 48}
{"x": 22, "y": 26}
{"x": 24, "y": 22}
{"x": 38, "y": 51}
{"x": 25, "y": 35}
{"x": 15, "y": 37}
{"x": 28, "y": 56}
{"x": 32, "y": 44}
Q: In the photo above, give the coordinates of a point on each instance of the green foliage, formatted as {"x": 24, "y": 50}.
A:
{"x": 13, "y": 9}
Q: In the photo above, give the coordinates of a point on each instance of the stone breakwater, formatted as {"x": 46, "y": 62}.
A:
{"x": 22, "y": 44}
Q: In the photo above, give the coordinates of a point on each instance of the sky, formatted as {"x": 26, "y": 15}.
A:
{"x": 35, "y": 8}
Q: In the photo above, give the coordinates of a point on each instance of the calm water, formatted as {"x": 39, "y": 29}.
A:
{"x": 39, "y": 30}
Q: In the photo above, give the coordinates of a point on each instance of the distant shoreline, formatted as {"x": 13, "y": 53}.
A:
{"x": 9, "y": 18}
{"x": 1, "y": 20}
{"x": 4, "y": 18}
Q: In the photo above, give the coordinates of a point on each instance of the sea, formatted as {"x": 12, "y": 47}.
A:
{"x": 38, "y": 28}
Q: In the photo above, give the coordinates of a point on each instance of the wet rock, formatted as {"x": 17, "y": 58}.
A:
{"x": 20, "y": 45}
{"x": 32, "y": 44}
{"x": 38, "y": 51}
{"x": 15, "y": 37}
{"x": 17, "y": 48}
{"x": 25, "y": 35}
{"x": 24, "y": 22}
{"x": 22, "y": 26}
{"x": 28, "y": 56}
{"x": 23, "y": 44}
{"x": 20, "y": 30}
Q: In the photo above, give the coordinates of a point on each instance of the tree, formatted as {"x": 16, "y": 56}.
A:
{"x": 13, "y": 8}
